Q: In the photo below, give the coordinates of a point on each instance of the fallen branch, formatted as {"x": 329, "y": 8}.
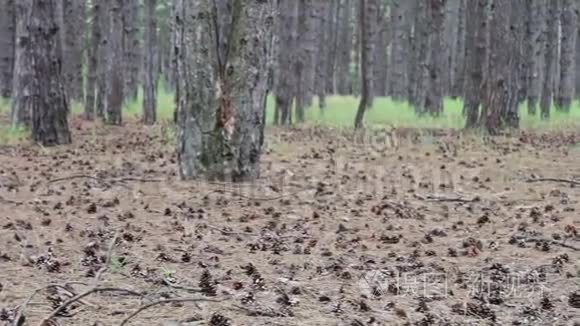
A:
{"x": 568, "y": 181}
{"x": 443, "y": 198}
{"x": 553, "y": 242}
{"x": 166, "y": 301}
{"x": 82, "y": 295}
{"x": 179, "y": 287}
{"x": 108, "y": 182}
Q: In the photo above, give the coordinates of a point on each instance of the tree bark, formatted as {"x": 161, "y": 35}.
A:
{"x": 285, "y": 84}
{"x": 551, "y": 58}
{"x": 344, "y": 82}
{"x": 23, "y": 73}
{"x": 498, "y": 88}
{"x": 380, "y": 59}
{"x": 73, "y": 44}
{"x": 458, "y": 66}
{"x": 7, "y": 44}
{"x": 536, "y": 11}
{"x": 569, "y": 28}
{"x": 150, "y": 57}
{"x": 93, "y": 60}
{"x": 400, "y": 48}
{"x": 475, "y": 58}
{"x": 47, "y": 99}
{"x": 222, "y": 98}
{"x": 367, "y": 8}
{"x": 115, "y": 65}
{"x": 132, "y": 48}
{"x": 418, "y": 58}
{"x": 434, "y": 99}
{"x": 102, "y": 97}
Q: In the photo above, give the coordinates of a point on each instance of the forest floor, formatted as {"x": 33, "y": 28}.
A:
{"x": 392, "y": 227}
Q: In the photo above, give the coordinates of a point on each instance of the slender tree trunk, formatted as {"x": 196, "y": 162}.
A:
{"x": 116, "y": 65}
{"x": 324, "y": 38}
{"x": 517, "y": 72}
{"x": 23, "y": 69}
{"x": 285, "y": 84}
{"x": 536, "y": 10}
{"x": 498, "y": 89}
{"x": 569, "y": 25}
{"x": 459, "y": 67}
{"x": 47, "y": 99}
{"x": 150, "y": 85}
{"x": 577, "y": 66}
{"x": 93, "y": 61}
{"x": 380, "y": 59}
{"x": 419, "y": 59}
{"x": 400, "y": 51}
{"x": 333, "y": 33}
{"x": 104, "y": 21}
{"x": 475, "y": 58}
{"x": 367, "y": 8}
{"x": 7, "y": 44}
{"x": 73, "y": 44}
{"x": 345, "y": 48}
{"x": 229, "y": 148}
{"x": 132, "y": 48}
{"x": 434, "y": 99}
{"x": 551, "y": 58}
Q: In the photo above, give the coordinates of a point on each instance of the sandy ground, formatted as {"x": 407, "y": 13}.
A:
{"x": 389, "y": 228}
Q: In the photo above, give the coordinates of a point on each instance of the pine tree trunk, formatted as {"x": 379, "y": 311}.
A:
{"x": 400, "y": 48}
{"x": 115, "y": 65}
{"x": 498, "y": 88}
{"x": 132, "y": 48}
{"x": 285, "y": 84}
{"x": 150, "y": 57}
{"x": 93, "y": 61}
{"x": 434, "y": 99}
{"x": 102, "y": 97}
{"x": 536, "y": 10}
{"x": 380, "y": 59}
{"x": 459, "y": 68}
{"x": 569, "y": 28}
{"x": 517, "y": 72}
{"x": 73, "y": 44}
{"x": 367, "y": 9}
{"x": 229, "y": 148}
{"x": 333, "y": 47}
{"x": 419, "y": 58}
{"x": 23, "y": 73}
{"x": 551, "y": 58}
{"x": 345, "y": 48}
{"x": 323, "y": 51}
{"x": 475, "y": 57}
{"x": 47, "y": 100}
{"x": 7, "y": 44}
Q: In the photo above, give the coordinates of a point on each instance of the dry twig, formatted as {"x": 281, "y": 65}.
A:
{"x": 568, "y": 181}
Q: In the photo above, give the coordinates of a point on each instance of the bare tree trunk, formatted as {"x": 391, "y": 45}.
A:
{"x": 551, "y": 58}
{"x": 517, "y": 72}
{"x": 333, "y": 47}
{"x": 434, "y": 99}
{"x": 221, "y": 121}
{"x": 577, "y": 66}
{"x": 150, "y": 85}
{"x": 498, "y": 89}
{"x": 73, "y": 44}
{"x": 285, "y": 84}
{"x": 131, "y": 48}
{"x": 345, "y": 48}
{"x": 7, "y": 44}
{"x": 102, "y": 99}
{"x": 380, "y": 59}
{"x": 475, "y": 58}
{"x": 400, "y": 50}
{"x": 93, "y": 60}
{"x": 115, "y": 65}
{"x": 304, "y": 69}
{"x": 569, "y": 25}
{"x": 367, "y": 8}
{"x": 47, "y": 99}
{"x": 536, "y": 10}
{"x": 459, "y": 67}
{"x": 418, "y": 58}
{"x": 23, "y": 69}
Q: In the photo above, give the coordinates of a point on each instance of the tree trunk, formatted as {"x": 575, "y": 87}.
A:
{"x": 230, "y": 88}
{"x": 536, "y": 10}
{"x": 323, "y": 52}
{"x": 150, "y": 85}
{"x": 7, "y": 44}
{"x": 517, "y": 72}
{"x": 285, "y": 85}
{"x": 459, "y": 68}
{"x": 104, "y": 21}
{"x": 73, "y": 44}
{"x": 367, "y": 8}
{"x": 93, "y": 60}
{"x": 498, "y": 88}
{"x": 345, "y": 48}
{"x": 380, "y": 59}
{"x": 418, "y": 58}
{"x": 333, "y": 34}
{"x": 434, "y": 99}
{"x": 115, "y": 65}
{"x": 551, "y": 58}
{"x": 569, "y": 29}
{"x": 132, "y": 48}
{"x": 304, "y": 70}
{"x": 400, "y": 50}
{"x": 475, "y": 58}
{"x": 47, "y": 99}
{"x": 23, "y": 73}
